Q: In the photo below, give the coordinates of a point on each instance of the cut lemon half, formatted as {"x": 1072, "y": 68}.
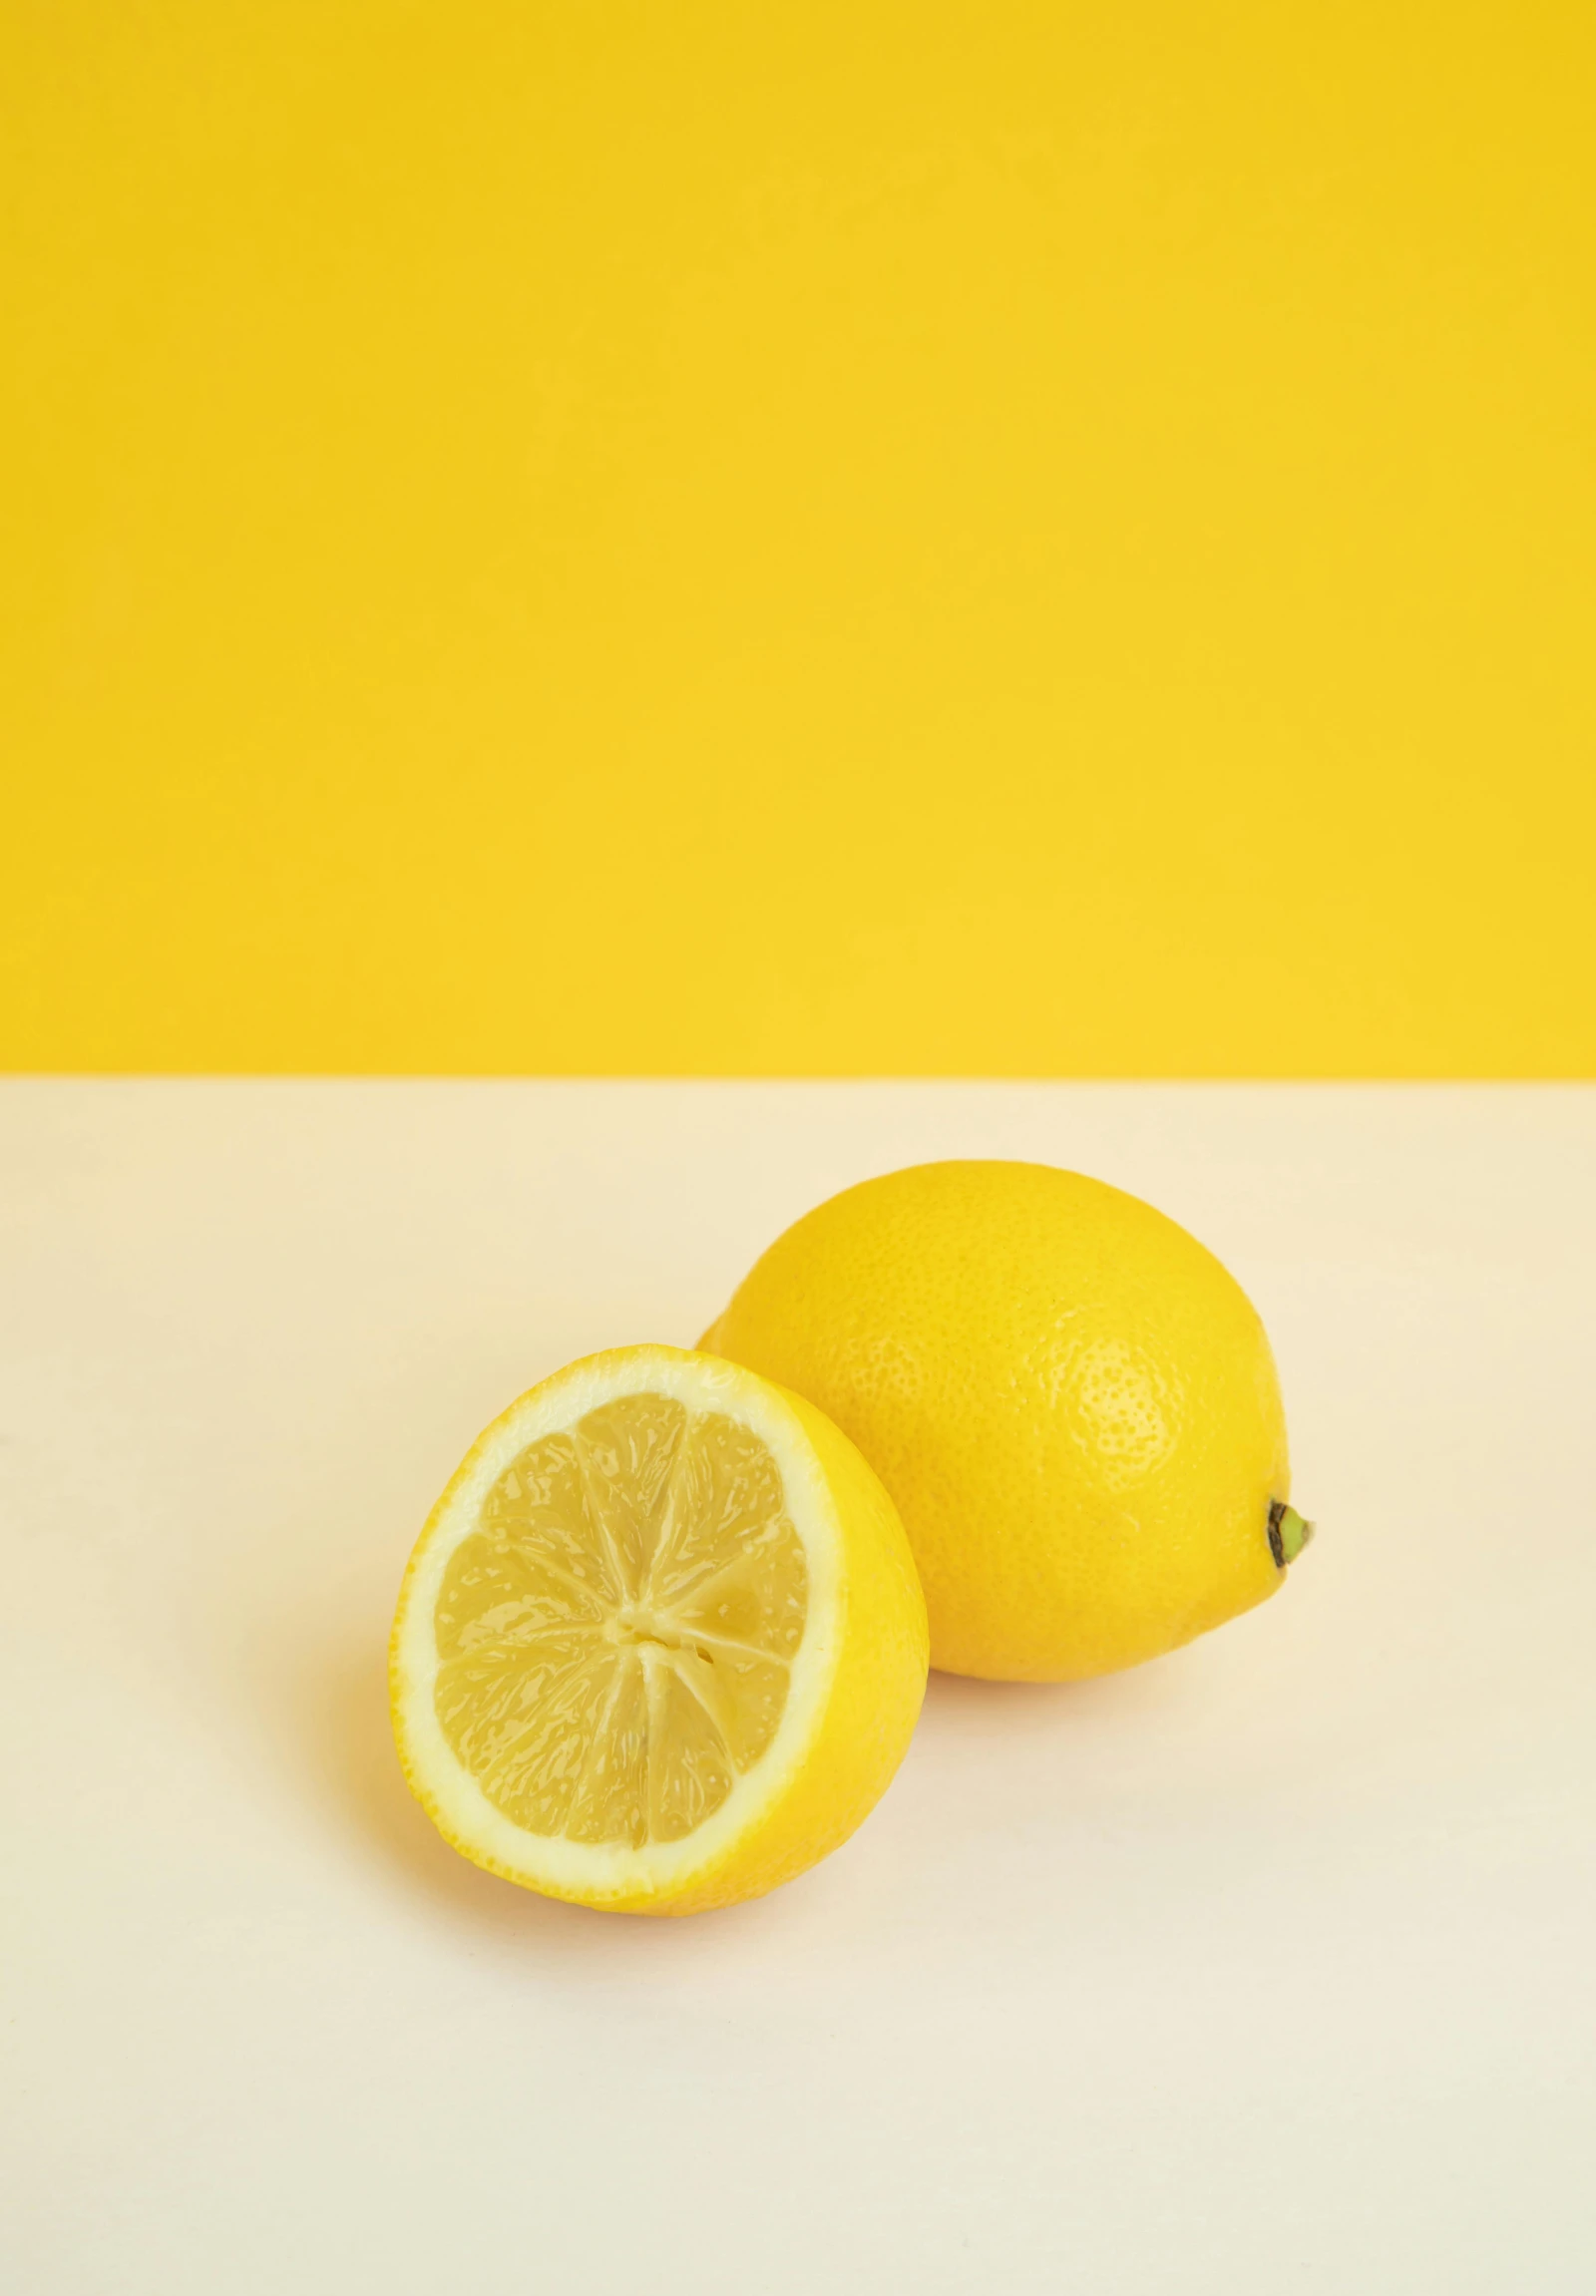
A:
{"x": 660, "y": 1645}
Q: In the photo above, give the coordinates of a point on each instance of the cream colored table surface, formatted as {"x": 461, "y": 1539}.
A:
{"x": 1269, "y": 1967}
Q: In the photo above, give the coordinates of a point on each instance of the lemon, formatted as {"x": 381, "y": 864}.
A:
{"x": 1072, "y": 1404}
{"x": 660, "y": 1645}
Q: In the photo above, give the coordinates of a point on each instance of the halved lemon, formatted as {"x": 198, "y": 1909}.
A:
{"x": 661, "y": 1644}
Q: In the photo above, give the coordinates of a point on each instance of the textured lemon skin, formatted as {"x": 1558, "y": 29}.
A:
{"x": 865, "y": 1722}
{"x": 1072, "y": 1404}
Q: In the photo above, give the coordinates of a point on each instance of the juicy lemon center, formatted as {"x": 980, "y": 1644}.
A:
{"x": 615, "y": 1636}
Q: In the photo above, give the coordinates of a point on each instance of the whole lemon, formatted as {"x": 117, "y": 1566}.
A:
{"x": 1071, "y": 1403}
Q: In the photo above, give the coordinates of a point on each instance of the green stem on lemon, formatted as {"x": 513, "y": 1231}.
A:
{"x": 1289, "y": 1533}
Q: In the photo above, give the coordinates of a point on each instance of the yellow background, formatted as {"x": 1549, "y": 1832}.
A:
{"x": 833, "y": 537}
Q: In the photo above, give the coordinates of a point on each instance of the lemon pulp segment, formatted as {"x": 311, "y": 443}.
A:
{"x": 615, "y": 1636}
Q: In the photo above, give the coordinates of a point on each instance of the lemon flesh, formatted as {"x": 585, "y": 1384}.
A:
{"x": 615, "y": 1639}
{"x": 1072, "y": 1402}
{"x": 640, "y": 1634}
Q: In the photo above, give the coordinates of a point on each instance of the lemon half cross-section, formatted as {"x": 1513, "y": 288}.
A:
{"x": 660, "y": 1645}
